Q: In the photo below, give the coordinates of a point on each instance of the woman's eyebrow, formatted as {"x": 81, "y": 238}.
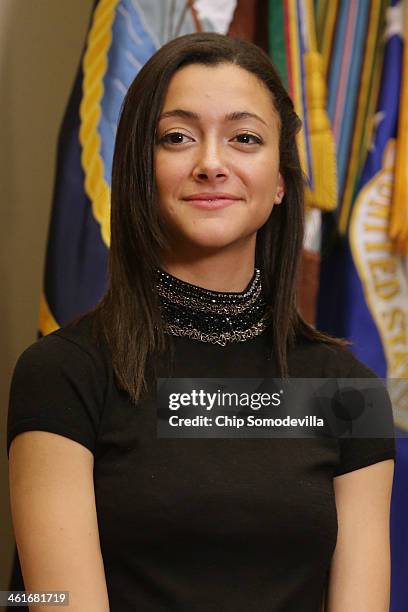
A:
{"x": 234, "y": 116}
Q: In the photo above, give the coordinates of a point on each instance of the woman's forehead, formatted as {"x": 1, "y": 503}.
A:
{"x": 225, "y": 91}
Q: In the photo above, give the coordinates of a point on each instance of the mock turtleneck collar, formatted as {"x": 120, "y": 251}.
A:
{"x": 211, "y": 316}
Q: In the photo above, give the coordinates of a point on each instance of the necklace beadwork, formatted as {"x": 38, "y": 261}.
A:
{"x": 211, "y": 316}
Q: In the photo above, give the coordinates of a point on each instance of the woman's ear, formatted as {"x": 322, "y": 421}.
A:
{"x": 280, "y": 190}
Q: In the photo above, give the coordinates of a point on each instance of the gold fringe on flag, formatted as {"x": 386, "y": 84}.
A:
{"x": 94, "y": 66}
{"x": 324, "y": 194}
{"x": 46, "y": 321}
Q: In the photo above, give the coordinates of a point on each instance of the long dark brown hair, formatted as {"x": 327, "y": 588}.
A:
{"x": 128, "y": 315}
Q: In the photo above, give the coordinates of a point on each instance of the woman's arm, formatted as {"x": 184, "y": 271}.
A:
{"x": 54, "y": 518}
{"x": 360, "y": 569}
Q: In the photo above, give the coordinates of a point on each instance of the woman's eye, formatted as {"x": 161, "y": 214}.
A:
{"x": 173, "y": 138}
{"x": 247, "y": 135}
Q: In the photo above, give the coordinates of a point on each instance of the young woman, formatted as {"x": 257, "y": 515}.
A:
{"x": 206, "y": 234}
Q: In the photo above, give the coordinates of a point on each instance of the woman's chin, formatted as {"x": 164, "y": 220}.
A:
{"x": 211, "y": 241}
{"x": 209, "y": 234}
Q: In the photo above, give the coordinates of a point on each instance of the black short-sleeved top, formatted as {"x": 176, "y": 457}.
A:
{"x": 193, "y": 525}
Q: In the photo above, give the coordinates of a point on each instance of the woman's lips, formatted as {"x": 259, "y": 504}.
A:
{"x": 212, "y": 204}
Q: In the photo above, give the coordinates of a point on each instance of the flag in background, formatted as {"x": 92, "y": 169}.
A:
{"x": 293, "y": 50}
{"x": 364, "y": 282}
{"x": 349, "y": 38}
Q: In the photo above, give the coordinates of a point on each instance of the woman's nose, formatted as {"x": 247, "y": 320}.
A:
{"x": 211, "y": 160}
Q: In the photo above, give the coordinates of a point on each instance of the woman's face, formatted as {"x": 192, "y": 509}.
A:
{"x": 210, "y": 142}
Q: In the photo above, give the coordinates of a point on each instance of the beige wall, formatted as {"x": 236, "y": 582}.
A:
{"x": 40, "y": 46}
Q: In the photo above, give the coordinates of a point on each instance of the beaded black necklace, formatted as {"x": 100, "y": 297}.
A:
{"x": 211, "y": 316}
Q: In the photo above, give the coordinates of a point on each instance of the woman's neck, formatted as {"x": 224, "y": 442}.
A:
{"x": 228, "y": 273}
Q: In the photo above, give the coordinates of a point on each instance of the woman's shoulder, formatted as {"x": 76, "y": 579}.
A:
{"x": 84, "y": 333}
{"x": 75, "y": 343}
{"x": 60, "y": 384}
{"x": 319, "y": 359}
